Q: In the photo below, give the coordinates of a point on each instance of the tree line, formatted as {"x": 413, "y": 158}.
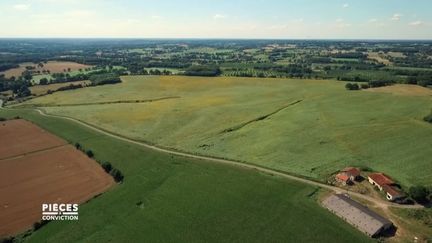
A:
{"x": 106, "y": 166}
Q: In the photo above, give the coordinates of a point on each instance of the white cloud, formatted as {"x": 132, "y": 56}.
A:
{"x": 219, "y": 16}
{"x": 346, "y": 5}
{"x": 21, "y": 7}
{"x": 373, "y": 20}
{"x": 396, "y": 17}
{"x": 416, "y": 23}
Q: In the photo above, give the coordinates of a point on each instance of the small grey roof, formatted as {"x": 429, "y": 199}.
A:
{"x": 356, "y": 214}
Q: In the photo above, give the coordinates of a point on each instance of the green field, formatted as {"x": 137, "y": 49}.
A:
{"x": 166, "y": 198}
{"x": 326, "y": 129}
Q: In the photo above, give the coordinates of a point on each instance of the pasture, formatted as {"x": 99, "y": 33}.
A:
{"x": 167, "y": 198}
{"x": 37, "y": 167}
{"x": 307, "y": 127}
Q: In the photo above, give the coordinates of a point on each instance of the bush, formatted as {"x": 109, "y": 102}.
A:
{"x": 90, "y": 153}
{"x": 2, "y": 119}
{"x": 23, "y": 91}
{"x": 43, "y": 81}
{"x": 7, "y": 240}
{"x": 117, "y": 175}
{"x": 207, "y": 71}
{"x": 424, "y": 83}
{"x": 107, "y": 166}
{"x": 350, "y": 86}
{"x": 364, "y": 86}
{"x": 428, "y": 118}
{"x": 70, "y": 87}
{"x": 366, "y": 169}
{"x": 379, "y": 83}
{"x": 419, "y": 193}
{"x": 107, "y": 78}
{"x": 78, "y": 146}
{"x": 39, "y": 225}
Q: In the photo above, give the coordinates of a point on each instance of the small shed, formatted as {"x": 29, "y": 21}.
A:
{"x": 392, "y": 193}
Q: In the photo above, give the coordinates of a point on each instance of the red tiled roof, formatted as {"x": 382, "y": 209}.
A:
{"x": 342, "y": 177}
{"x": 392, "y": 191}
{"x": 351, "y": 171}
{"x": 381, "y": 179}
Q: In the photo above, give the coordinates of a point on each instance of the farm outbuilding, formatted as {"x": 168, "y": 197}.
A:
{"x": 386, "y": 184}
{"x": 379, "y": 180}
{"x": 348, "y": 175}
{"x": 352, "y": 173}
{"x": 356, "y": 214}
{"x": 392, "y": 193}
{"x": 343, "y": 178}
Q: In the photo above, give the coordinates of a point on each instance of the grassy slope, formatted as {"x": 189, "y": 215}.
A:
{"x": 188, "y": 201}
{"x": 331, "y": 127}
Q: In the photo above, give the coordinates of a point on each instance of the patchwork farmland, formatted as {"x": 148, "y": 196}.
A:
{"x": 216, "y": 140}
{"x": 37, "y": 167}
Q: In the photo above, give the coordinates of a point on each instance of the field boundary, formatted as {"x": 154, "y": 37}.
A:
{"x": 108, "y": 102}
{"x": 261, "y": 118}
{"x": 34, "y": 152}
{"x": 380, "y": 203}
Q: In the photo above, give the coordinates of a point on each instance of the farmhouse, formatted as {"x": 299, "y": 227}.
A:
{"x": 359, "y": 216}
{"x": 348, "y": 175}
{"x": 384, "y": 183}
{"x": 343, "y": 178}
{"x": 352, "y": 173}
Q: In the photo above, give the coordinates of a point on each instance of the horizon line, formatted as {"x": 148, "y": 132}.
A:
{"x": 213, "y": 38}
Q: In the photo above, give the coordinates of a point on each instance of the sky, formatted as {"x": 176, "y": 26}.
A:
{"x": 258, "y": 19}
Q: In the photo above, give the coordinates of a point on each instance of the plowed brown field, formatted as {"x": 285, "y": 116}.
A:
{"x": 36, "y": 167}
{"x": 20, "y": 137}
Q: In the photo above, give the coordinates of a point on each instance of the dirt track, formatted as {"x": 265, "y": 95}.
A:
{"x": 60, "y": 174}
